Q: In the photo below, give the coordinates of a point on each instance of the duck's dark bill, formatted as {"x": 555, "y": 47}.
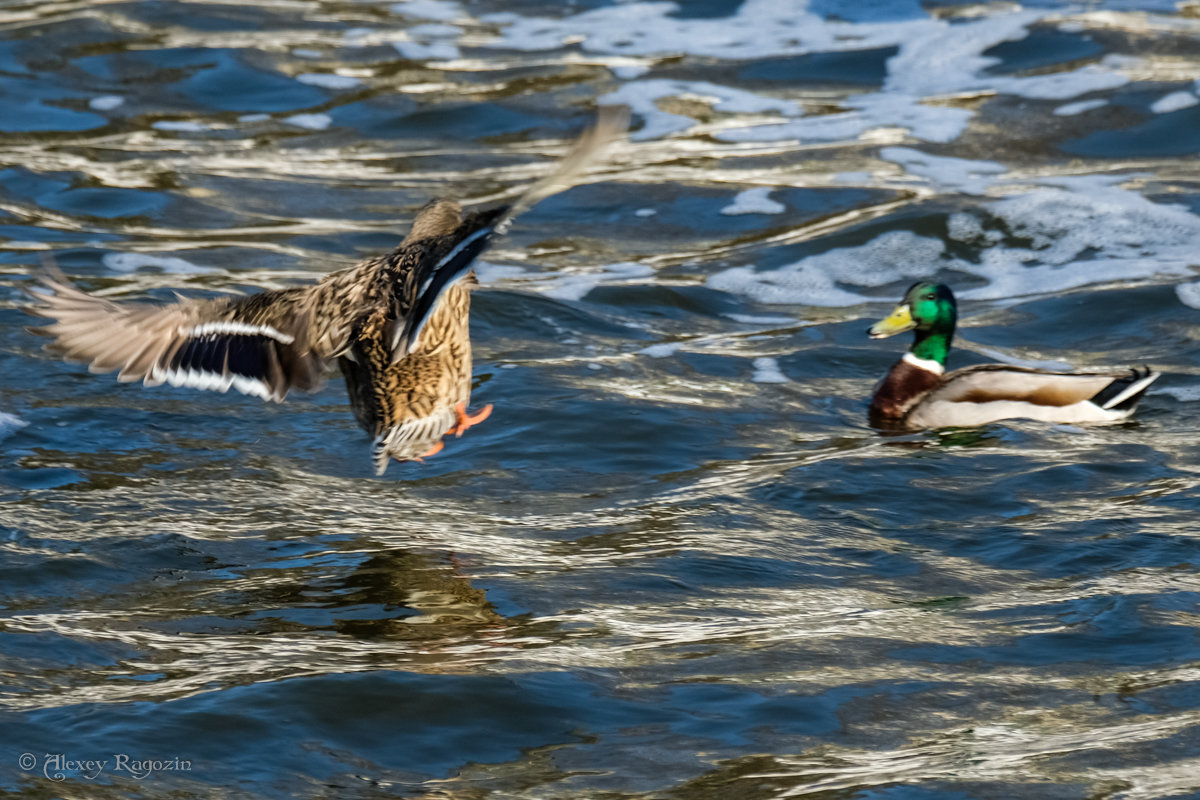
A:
{"x": 898, "y": 321}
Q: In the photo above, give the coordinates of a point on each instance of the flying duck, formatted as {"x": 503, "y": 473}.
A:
{"x": 396, "y": 324}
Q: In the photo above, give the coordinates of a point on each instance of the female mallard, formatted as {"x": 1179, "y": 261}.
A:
{"x": 396, "y": 325}
{"x": 919, "y": 393}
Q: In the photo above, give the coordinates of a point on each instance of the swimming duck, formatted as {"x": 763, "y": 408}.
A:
{"x": 396, "y": 324}
{"x": 918, "y": 392}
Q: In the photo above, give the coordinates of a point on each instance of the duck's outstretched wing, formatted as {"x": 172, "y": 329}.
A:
{"x": 446, "y": 258}
{"x": 256, "y": 344}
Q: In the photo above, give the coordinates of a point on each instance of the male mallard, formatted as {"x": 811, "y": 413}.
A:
{"x": 919, "y": 393}
{"x": 396, "y": 325}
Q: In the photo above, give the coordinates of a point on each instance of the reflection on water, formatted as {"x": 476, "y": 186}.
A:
{"x": 676, "y": 561}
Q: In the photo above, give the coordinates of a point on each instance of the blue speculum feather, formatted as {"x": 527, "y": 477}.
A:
{"x": 245, "y": 353}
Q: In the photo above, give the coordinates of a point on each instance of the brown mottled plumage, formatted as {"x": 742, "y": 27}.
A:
{"x": 396, "y": 324}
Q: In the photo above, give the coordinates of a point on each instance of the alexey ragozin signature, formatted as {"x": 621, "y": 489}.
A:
{"x": 58, "y": 767}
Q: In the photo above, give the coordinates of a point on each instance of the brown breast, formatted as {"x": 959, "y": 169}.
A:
{"x": 903, "y": 387}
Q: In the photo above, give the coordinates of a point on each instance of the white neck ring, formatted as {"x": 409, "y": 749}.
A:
{"x": 927, "y": 364}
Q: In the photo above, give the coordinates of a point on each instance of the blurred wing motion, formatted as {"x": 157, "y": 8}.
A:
{"x": 477, "y": 231}
{"x": 255, "y": 344}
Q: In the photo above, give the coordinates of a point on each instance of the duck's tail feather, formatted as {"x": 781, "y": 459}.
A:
{"x": 1123, "y": 394}
{"x": 411, "y": 439}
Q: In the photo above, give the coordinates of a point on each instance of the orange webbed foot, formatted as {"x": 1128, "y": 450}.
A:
{"x": 433, "y": 451}
{"x": 466, "y": 420}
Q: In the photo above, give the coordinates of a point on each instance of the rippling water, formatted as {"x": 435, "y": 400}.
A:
{"x": 675, "y": 562}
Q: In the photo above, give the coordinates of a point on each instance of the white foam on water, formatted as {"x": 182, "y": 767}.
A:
{"x": 1174, "y": 101}
{"x": 1067, "y": 233}
{"x": 629, "y": 71}
{"x": 313, "y": 122}
{"x": 1084, "y": 231}
{"x": 180, "y": 126}
{"x": 645, "y": 212}
{"x": 871, "y": 111}
{"x": 1059, "y": 235}
{"x": 106, "y": 102}
{"x": 1189, "y": 294}
{"x": 427, "y": 51}
{"x": 854, "y": 179}
{"x": 754, "y": 201}
{"x": 1071, "y": 109}
{"x": 963, "y": 226}
{"x": 1184, "y": 394}
{"x": 10, "y": 423}
{"x": 254, "y": 117}
{"x": 936, "y": 58}
{"x": 661, "y": 350}
{"x": 947, "y": 57}
{"x": 433, "y": 30}
{"x": 815, "y": 280}
{"x": 566, "y": 285}
{"x": 305, "y": 52}
{"x": 328, "y": 80}
{"x": 131, "y": 262}
{"x": 359, "y": 37}
{"x": 760, "y": 319}
{"x": 575, "y": 286}
{"x": 959, "y": 174}
{"x": 442, "y": 10}
{"x": 766, "y": 370}
{"x": 642, "y": 98}
{"x": 1061, "y": 85}
{"x": 758, "y": 29}
{"x": 489, "y": 273}
{"x": 433, "y": 41}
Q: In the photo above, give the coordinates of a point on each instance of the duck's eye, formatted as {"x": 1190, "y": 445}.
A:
{"x": 931, "y": 297}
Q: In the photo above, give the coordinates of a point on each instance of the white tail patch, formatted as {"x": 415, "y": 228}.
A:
{"x": 1132, "y": 389}
{"x": 411, "y": 439}
{"x": 239, "y": 328}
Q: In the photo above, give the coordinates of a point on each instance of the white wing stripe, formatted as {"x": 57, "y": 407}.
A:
{"x": 212, "y": 381}
{"x": 209, "y": 328}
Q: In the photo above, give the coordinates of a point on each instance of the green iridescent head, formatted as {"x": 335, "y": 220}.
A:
{"x": 929, "y": 309}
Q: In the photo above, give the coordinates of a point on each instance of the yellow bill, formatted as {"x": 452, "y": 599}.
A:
{"x": 898, "y": 321}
